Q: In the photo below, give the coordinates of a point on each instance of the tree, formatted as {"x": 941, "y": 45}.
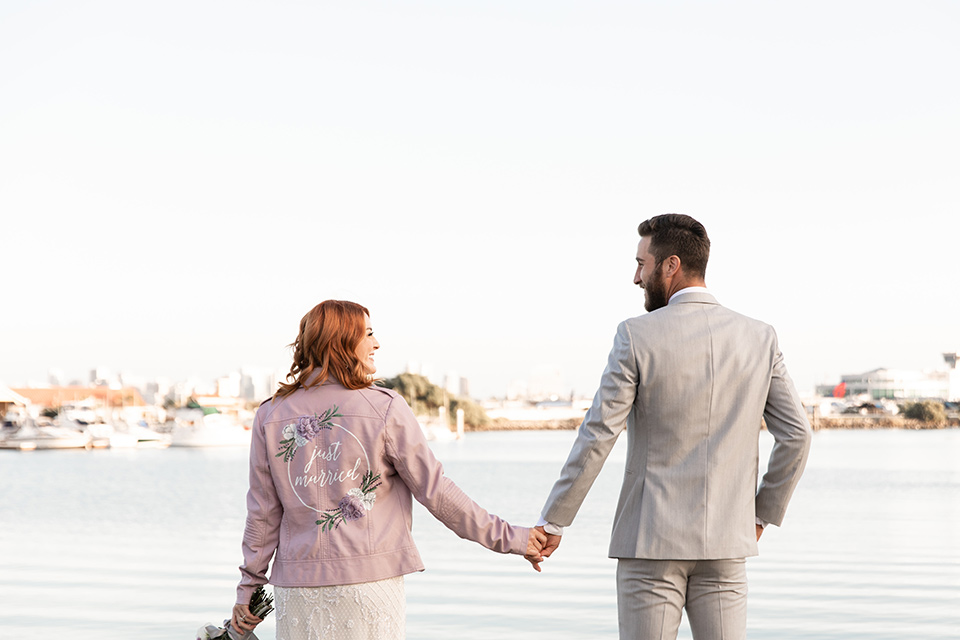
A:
{"x": 425, "y": 398}
{"x": 929, "y": 411}
{"x": 473, "y": 413}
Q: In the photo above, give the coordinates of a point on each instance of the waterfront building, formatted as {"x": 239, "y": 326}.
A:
{"x": 546, "y": 382}
{"x": 156, "y": 390}
{"x": 898, "y": 384}
{"x": 228, "y": 386}
{"x": 10, "y": 401}
{"x": 56, "y": 397}
{"x": 517, "y": 390}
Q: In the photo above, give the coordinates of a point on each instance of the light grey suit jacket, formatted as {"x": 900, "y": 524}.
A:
{"x": 690, "y": 383}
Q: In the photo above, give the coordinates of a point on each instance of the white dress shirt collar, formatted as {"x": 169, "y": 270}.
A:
{"x": 687, "y": 290}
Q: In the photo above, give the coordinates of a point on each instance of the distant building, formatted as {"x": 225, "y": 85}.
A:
{"x": 897, "y": 384}
{"x": 229, "y": 385}
{"x": 451, "y": 382}
{"x": 517, "y": 390}
{"x": 546, "y": 383}
{"x": 258, "y": 384}
{"x": 104, "y": 377}
{"x": 10, "y": 400}
{"x": 53, "y": 397}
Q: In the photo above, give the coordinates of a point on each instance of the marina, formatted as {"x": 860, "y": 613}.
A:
{"x": 102, "y": 418}
{"x": 119, "y": 543}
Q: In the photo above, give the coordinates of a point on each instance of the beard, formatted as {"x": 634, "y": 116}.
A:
{"x": 655, "y": 291}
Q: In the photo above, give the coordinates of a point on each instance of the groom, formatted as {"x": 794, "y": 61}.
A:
{"x": 689, "y": 382}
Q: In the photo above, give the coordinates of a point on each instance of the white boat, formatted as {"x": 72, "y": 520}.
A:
{"x": 124, "y": 436}
{"x": 32, "y": 437}
{"x": 194, "y": 429}
{"x": 146, "y": 438}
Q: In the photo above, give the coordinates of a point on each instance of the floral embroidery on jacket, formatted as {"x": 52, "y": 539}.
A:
{"x": 355, "y": 504}
{"x": 299, "y": 433}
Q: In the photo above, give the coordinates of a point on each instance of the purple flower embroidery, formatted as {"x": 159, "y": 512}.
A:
{"x": 306, "y": 428}
{"x": 351, "y": 508}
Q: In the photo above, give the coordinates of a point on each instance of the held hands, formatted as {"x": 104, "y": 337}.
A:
{"x": 553, "y": 541}
{"x": 540, "y": 546}
{"x": 534, "y": 545}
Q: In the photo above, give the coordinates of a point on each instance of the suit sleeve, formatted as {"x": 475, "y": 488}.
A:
{"x": 787, "y": 422}
{"x": 602, "y": 425}
{"x": 408, "y": 451}
{"x": 261, "y": 536}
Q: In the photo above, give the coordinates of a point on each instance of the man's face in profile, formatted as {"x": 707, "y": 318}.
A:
{"x": 649, "y": 277}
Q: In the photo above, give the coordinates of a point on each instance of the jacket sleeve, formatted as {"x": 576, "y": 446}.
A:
{"x": 787, "y": 423}
{"x": 264, "y": 512}
{"x": 602, "y": 425}
{"x": 408, "y": 451}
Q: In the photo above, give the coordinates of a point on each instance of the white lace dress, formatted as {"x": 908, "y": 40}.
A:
{"x": 366, "y": 611}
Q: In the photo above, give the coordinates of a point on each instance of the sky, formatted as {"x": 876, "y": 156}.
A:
{"x": 181, "y": 181}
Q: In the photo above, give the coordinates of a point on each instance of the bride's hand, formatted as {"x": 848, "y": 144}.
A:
{"x": 534, "y": 545}
{"x": 242, "y": 619}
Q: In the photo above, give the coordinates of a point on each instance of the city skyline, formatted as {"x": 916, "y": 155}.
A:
{"x": 180, "y": 183}
{"x": 254, "y": 382}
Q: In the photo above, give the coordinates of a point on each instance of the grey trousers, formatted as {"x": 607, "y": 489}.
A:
{"x": 651, "y": 595}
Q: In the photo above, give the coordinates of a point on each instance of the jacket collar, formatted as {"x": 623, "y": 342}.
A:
{"x": 698, "y": 295}
{"x": 312, "y": 379}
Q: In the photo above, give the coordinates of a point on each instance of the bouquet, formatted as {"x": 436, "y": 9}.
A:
{"x": 261, "y": 604}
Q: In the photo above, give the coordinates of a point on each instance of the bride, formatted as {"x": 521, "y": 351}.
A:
{"x": 334, "y": 465}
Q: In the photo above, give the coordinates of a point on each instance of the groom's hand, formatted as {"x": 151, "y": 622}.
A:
{"x": 551, "y": 544}
{"x": 534, "y": 545}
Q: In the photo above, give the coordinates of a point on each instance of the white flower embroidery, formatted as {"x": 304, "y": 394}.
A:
{"x": 366, "y": 499}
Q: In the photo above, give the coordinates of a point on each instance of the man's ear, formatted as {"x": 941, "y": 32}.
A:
{"x": 671, "y": 266}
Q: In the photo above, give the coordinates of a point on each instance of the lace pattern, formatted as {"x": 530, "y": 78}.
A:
{"x": 367, "y": 611}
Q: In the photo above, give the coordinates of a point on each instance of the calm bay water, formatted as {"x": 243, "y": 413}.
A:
{"x": 121, "y": 543}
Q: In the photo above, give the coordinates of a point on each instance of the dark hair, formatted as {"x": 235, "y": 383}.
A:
{"x": 675, "y": 234}
{"x": 329, "y": 336}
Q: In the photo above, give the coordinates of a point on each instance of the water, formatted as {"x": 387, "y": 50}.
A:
{"x": 122, "y": 543}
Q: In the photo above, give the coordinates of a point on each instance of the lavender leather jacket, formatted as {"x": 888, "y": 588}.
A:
{"x": 332, "y": 473}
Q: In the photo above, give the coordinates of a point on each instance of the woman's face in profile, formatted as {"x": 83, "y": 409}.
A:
{"x": 368, "y": 345}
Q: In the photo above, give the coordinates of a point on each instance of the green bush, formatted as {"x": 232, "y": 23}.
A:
{"x": 473, "y": 414}
{"x": 425, "y": 398}
{"x": 926, "y": 411}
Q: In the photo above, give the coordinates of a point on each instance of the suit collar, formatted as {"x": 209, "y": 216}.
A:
{"x": 688, "y": 290}
{"x": 694, "y": 294}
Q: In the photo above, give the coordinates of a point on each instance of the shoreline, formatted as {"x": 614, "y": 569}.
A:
{"x": 816, "y": 423}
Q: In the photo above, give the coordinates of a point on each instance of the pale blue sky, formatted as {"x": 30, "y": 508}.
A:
{"x": 181, "y": 181}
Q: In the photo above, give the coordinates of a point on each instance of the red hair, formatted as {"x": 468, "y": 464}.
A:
{"x": 329, "y": 336}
